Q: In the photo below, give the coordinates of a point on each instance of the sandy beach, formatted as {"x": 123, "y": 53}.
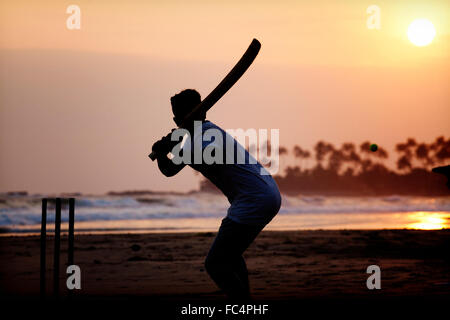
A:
{"x": 283, "y": 266}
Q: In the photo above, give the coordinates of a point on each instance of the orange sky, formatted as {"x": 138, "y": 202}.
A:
{"x": 80, "y": 109}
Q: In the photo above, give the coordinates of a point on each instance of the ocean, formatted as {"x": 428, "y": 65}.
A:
{"x": 198, "y": 212}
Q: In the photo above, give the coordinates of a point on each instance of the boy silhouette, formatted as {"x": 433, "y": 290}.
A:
{"x": 254, "y": 197}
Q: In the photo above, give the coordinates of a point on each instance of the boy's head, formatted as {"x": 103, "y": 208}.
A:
{"x": 183, "y": 103}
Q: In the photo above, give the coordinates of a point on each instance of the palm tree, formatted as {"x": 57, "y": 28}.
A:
{"x": 441, "y": 150}
{"x": 283, "y": 151}
{"x": 404, "y": 162}
{"x": 423, "y": 154}
{"x": 349, "y": 151}
{"x": 369, "y": 156}
{"x": 336, "y": 160}
{"x": 322, "y": 149}
{"x": 301, "y": 154}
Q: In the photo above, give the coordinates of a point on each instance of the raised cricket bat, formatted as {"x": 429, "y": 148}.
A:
{"x": 231, "y": 78}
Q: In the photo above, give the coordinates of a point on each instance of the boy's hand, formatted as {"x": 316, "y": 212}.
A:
{"x": 160, "y": 146}
{"x": 164, "y": 145}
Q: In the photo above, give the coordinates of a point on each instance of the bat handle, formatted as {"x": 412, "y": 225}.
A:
{"x": 152, "y": 156}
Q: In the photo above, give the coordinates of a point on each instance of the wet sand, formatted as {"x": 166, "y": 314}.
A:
{"x": 283, "y": 265}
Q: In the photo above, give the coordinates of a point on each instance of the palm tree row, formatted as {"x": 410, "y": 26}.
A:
{"x": 346, "y": 160}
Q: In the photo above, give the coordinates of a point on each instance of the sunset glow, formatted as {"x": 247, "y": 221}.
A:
{"x": 429, "y": 220}
{"x": 320, "y": 75}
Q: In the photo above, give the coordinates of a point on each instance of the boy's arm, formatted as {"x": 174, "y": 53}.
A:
{"x": 167, "y": 167}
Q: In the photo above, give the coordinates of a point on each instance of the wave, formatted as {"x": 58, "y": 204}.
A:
{"x": 26, "y": 210}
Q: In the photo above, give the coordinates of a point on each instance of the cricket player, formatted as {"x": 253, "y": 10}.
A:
{"x": 254, "y": 196}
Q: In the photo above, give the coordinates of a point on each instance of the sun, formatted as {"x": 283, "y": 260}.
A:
{"x": 421, "y": 32}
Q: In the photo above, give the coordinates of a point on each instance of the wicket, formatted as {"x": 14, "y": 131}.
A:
{"x": 56, "y": 254}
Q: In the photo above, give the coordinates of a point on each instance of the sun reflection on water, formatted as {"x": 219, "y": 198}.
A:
{"x": 429, "y": 220}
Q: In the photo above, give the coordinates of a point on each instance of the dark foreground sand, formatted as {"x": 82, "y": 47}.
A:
{"x": 283, "y": 265}
{"x": 300, "y": 275}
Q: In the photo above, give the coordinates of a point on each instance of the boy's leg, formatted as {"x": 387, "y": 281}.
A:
{"x": 242, "y": 272}
{"x": 225, "y": 263}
